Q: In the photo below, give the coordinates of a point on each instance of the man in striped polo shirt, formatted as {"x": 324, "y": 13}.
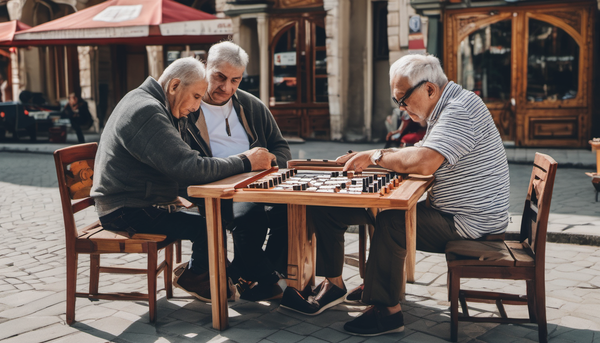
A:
{"x": 469, "y": 199}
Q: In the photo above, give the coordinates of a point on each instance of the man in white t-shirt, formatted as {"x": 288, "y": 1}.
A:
{"x": 228, "y": 122}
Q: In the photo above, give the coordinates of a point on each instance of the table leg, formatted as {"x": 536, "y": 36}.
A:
{"x": 411, "y": 242}
{"x": 302, "y": 252}
{"x": 216, "y": 264}
{"x": 597, "y": 161}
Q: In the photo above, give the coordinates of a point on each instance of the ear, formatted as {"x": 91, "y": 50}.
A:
{"x": 431, "y": 89}
{"x": 173, "y": 85}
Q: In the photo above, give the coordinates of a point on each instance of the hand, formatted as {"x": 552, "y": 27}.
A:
{"x": 359, "y": 161}
{"x": 260, "y": 158}
{"x": 389, "y": 134}
{"x": 344, "y": 158}
{"x": 183, "y": 202}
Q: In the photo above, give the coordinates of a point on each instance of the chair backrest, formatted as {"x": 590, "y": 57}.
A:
{"x": 75, "y": 171}
{"x": 534, "y": 224}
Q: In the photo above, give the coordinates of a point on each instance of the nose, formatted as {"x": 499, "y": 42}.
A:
{"x": 196, "y": 105}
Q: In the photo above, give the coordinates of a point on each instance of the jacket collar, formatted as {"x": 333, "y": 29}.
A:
{"x": 239, "y": 110}
{"x": 152, "y": 87}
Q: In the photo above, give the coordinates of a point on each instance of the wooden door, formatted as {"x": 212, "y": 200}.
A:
{"x": 530, "y": 64}
{"x": 298, "y": 70}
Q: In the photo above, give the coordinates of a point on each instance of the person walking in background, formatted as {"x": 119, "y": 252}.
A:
{"x": 3, "y": 88}
{"x": 78, "y": 113}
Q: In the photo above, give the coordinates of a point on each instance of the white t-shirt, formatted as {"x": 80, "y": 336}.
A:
{"x": 221, "y": 144}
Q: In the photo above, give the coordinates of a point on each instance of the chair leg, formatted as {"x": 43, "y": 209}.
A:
{"x": 71, "y": 285}
{"x": 168, "y": 272}
{"x": 152, "y": 265}
{"x": 531, "y": 300}
{"x": 540, "y": 307}
{"x": 94, "y": 273}
{"x": 454, "y": 291}
{"x": 178, "y": 251}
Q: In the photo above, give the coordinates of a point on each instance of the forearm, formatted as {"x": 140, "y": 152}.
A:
{"x": 412, "y": 160}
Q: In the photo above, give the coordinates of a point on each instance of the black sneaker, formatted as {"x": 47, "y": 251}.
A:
{"x": 375, "y": 322}
{"x": 324, "y": 296}
{"x": 257, "y": 291}
{"x": 197, "y": 285}
{"x": 355, "y": 296}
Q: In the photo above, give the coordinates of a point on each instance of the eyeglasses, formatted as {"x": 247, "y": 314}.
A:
{"x": 402, "y": 101}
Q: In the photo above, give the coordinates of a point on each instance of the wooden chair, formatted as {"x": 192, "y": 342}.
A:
{"x": 74, "y": 168}
{"x": 513, "y": 260}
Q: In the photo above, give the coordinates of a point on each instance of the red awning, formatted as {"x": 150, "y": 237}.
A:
{"x": 9, "y": 28}
{"x": 133, "y": 22}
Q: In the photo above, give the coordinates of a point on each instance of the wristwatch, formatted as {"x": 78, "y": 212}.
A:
{"x": 376, "y": 157}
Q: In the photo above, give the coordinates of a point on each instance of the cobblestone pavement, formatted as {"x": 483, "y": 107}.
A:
{"x": 32, "y": 279}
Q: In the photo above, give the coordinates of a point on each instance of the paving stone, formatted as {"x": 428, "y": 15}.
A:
{"x": 48, "y": 333}
{"x": 285, "y": 336}
{"x": 25, "y": 324}
{"x": 247, "y": 333}
{"x": 83, "y": 337}
{"x": 304, "y": 329}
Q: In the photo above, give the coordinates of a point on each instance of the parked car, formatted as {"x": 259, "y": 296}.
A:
{"x": 25, "y": 118}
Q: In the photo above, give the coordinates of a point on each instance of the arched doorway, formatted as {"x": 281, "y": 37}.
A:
{"x": 298, "y": 75}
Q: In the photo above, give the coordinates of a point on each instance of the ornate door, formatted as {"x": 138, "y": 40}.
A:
{"x": 298, "y": 61}
{"x": 531, "y": 65}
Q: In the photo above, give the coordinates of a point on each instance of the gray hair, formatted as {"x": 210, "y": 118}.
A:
{"x": 418, "y": 68}
{"x": 227, "y": 52}
{"x": 188, "y": 69}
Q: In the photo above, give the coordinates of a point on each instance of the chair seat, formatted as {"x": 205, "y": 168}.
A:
{"x": 488, "y": 253}
{"x": 94, "y": 238}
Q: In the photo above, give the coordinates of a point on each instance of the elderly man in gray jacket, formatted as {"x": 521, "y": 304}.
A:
{"x": 142, "y": 159}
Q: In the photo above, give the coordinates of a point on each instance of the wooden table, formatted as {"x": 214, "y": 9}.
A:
{"x": 301, "y": 242}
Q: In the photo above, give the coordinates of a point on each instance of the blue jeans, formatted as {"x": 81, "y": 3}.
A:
{"x": 177, "y": 225}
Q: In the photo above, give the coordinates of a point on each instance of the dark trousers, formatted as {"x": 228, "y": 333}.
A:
{"x": 385, "y": 265}
{"x": 329, "y": 225}
{"x": 75, "y": 125}
{"x": 251, "y": 223}
{"x": 177, "y": 225}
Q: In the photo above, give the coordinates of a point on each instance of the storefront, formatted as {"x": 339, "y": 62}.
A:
{"x": 530, "y": 62}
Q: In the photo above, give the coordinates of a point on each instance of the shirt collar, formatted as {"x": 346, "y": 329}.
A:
{"x": 449, "y": 92}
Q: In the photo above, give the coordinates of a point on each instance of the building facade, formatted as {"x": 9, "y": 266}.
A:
{"x": 321, "y": 66}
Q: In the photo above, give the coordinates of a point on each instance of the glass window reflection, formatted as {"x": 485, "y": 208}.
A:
{"x": 484, "y": 62}
{"x": 284, "y": 67}
{"x": 552, "y": 63}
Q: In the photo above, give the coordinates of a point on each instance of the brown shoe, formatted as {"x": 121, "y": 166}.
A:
{"x": 197, "y": 285}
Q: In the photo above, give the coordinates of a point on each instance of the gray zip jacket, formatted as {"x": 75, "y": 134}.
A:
{"x": 142, "y": 158}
